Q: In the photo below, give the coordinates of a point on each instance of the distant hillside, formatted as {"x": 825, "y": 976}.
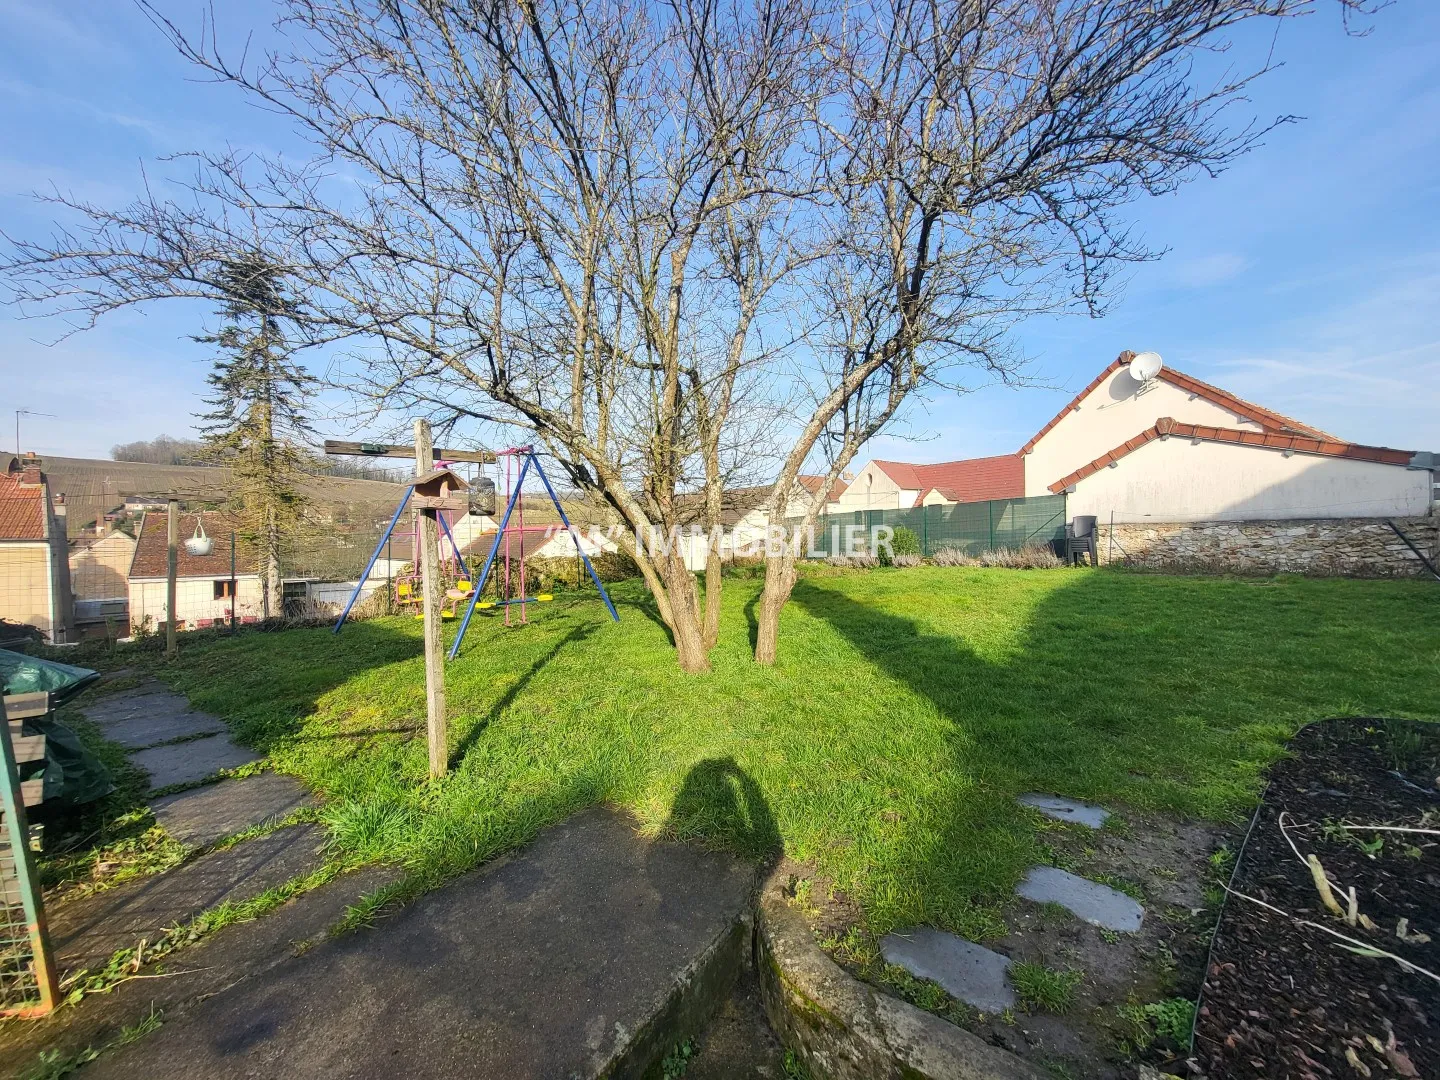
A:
{"x": 94, "y": 487}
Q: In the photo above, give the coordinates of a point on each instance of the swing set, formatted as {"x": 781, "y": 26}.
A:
{"x": 456, "y": 579}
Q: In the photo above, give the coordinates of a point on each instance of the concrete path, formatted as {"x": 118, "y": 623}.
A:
{"x": 87, "y": 931}
{"x": 567, "y": 960}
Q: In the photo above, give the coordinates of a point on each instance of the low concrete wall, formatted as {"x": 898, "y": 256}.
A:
{"x": 1352, "y": 547}
{"x": 844, "y": 1029}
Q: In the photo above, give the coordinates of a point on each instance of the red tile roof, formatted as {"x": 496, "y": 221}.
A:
{"x": 811, "y": 483}
{"x": 1266, "y": 418}
{"x": 971, "y": 480}
{"x": 151, "y": 548}
{"x": 22, "y": 509}
{"x": 1302, "y": 444}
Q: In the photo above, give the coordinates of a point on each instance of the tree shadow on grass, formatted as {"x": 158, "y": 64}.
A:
{"x": 752, "y": 620}
{"x": 719, "y": 803}
{"x": 575, "y": 635}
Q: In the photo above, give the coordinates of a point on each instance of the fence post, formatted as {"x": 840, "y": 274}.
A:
{"x": 20, "y": 887}
{"x": 990, "y": 513}
{"x": 172, "y": 538}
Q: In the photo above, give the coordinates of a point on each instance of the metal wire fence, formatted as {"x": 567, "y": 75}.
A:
{"x": 968, "y": 527}
{"x": 27, "y": 973}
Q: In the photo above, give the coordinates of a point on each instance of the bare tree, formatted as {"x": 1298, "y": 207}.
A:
{"x": 629, "y": 229}
{"x": 986, "y": 152}
{"x": 568, "y": 219}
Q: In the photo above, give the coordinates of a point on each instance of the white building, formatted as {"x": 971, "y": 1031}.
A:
{"x": 204, "y": 592}
{"x": 1175, "y": 449}
{"x": 1170, "y": 449}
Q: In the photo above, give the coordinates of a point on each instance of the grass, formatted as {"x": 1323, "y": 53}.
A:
{"x": 1167, "y": 1021}
{"x": 1042, "y": 988}
{"x": 907, "y": 710}
{"x": 53, "y": 1065}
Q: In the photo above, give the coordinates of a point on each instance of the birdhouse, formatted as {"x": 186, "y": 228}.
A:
{"x": 441, "y": 490}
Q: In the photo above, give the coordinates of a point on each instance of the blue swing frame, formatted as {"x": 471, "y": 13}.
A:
{"x": 530, "y": 459}
{"x": 385, "y": 536}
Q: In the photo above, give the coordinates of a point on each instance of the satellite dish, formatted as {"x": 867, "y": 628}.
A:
{"x": 1146, "y": 366}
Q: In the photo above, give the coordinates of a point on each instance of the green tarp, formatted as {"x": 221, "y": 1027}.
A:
{"x": 73, "y": 775}
{"x": 26, "y": 675}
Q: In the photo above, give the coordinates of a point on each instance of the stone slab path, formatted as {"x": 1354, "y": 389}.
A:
{"x": 969, "y": 972}
{"x": 544, "y": 965}
{"x": 1062, "y": 809}
{"x": 187, "y": 762}
{"x": 1097, "y": 904}
{"x": 206, "y": 814}
{"x": 85, "y": 933}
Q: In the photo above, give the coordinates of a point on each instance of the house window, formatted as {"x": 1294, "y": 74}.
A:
{"x": 224, "y": 589}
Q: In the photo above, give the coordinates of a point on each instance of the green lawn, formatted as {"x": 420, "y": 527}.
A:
{"x": 908, "y": 709}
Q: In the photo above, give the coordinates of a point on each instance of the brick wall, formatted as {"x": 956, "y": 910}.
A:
{"x": 1351, "y": 547}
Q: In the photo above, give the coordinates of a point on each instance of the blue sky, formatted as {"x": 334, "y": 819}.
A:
{"x": 1306, "y": 278}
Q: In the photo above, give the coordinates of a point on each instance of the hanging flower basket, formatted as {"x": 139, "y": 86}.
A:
{"x": 199, "y": 544}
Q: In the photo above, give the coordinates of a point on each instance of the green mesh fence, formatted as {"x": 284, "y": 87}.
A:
{"x": 968, "y": 527}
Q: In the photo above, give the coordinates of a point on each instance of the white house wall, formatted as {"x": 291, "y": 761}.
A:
{"x": 872, "y": 489}
{"x": 1178, "y": 479}
{"x": 194, "y": 600}
{"x": 1108, "y": 416}
{"x": 562, "y": 546}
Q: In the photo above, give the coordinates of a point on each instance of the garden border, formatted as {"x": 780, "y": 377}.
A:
{"x": 843, "y": 1029}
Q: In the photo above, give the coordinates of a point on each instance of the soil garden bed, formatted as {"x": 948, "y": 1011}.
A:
{"x": 1283, "y": 996}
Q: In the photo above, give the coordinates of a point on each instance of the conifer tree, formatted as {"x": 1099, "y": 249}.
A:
{"x": 258, "y": 421}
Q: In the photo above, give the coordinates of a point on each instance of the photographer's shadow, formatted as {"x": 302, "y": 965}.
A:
{"x": 719, "y": 804}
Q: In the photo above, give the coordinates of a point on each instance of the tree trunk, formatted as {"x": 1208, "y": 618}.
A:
{"x": 690, "y": 647}
{"x": 274, "y": 594}
{"x": 779, "y": 581}
{"x": 713, "y": 592}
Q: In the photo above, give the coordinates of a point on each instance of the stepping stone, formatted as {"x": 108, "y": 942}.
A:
{"x": 1097, "y": 904}
{"x": 970, "y": 972}
{"x": 203, "y": 815}
{"x": 1063, "y": 809}
{"x": 128, "y": 704}
{"x": 85, "y": 933}
{"x": 147, "y": 729}
{"x": 149, "y": 716}
{"x": 184, "y": 763}
{"x": 552, "y": 963}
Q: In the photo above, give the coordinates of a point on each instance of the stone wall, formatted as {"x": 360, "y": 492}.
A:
{"x": 1351, "y": 547}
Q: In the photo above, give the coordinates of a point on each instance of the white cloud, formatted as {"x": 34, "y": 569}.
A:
{"x": 1368, "y": 370}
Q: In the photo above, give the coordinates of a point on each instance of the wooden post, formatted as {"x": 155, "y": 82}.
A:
{"x": 429, "y": 534}
{"x": 172, "y": 539}
{"x": 234, "y": 597}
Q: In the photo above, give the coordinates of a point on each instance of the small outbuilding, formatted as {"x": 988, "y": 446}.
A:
{"x": 205, "y": 592}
